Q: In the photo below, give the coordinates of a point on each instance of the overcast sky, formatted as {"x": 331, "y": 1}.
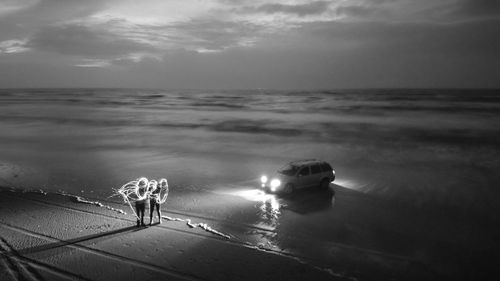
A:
{"x": 249, "y": 43}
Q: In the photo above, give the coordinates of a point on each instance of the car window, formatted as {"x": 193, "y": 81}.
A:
{"x": 315, "y": 169}
{"x": 304, "y": 171}
{"x": 288, "y": 170}
{"x": 326, "y": 167}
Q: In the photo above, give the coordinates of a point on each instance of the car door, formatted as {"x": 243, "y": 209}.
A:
{"x": 316, "y": 175}
{"x": 303, "y": 177}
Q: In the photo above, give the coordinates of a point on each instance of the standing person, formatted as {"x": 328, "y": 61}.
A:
{"x": 140, "y": 203}
{"x": 158, "y": 196}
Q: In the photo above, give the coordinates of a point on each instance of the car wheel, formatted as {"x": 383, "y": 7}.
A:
{"x": 288, "y": 189}
{"x": 324, "y": 184}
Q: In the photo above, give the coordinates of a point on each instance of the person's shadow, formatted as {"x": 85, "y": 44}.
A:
{"x": 309, "y": 200}
{"x": 63, "y": 243}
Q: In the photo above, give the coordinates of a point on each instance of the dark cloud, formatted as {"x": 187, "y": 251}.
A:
{"x": 84, "y": 41}
{"x": 69, "y": 8}
{"x": 354, "y": 11}
{"x": 466, "y": 38}
{"x": 337, "y": 55}
{"x": 38, "y": 14}
{"x": 313, "y": 8}
{"x": 233, "y": 2}
{"x": 481, "y": 7}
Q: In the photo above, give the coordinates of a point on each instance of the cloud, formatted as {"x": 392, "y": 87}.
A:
{"x": 30, "y": 12}
{"x": 210, "y": 34}
{"x": 84, "y": 41}
{"x": 12, "y": 6}
{"x": 119, "y": 42}
{"x": 355, "y": 11}
{"x": 13, "y": 46}
{"x": 93, "y": 63}
{"x": 481, "y": 7}
{"x": 425, "y": 38}
{"x": 312, "y": 8}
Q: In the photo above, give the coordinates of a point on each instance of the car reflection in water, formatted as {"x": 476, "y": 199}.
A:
{"x": 309, "y": 200}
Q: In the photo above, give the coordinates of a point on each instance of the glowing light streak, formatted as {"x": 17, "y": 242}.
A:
{"x": 161, "y": 196}
{"x": 141, "y": 189}
{"x": 134, "y": 191}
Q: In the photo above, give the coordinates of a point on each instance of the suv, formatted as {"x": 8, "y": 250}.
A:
{"x": 299, "y": 174}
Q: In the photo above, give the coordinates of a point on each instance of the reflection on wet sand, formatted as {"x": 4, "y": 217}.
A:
{"x": 267, "y": 217}
{"x": 268, "y": 207}
{"x": 270, "y": 212}
{"x": 273, "y": 210}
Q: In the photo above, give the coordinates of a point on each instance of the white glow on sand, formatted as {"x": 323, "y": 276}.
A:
{"x": 253, "y": 195}
{"x": 257, "y": 195}
{"x": 350, "y": 184}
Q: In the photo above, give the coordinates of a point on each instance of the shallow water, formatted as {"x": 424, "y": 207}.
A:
{"x": 399, "y": 143}
{"x": 406, "y": 160}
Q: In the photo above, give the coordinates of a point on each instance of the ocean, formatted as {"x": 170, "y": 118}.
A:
{"x": 412, "y": 165}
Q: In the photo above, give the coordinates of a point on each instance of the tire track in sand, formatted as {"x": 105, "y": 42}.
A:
{"x": 232, "y": 241}
{"x": 23, "y": 268}
{"x": 132, "y": 221}
{"x": 94, "y": 251}
{"x": 236, "y": 242}
{"x": 300, "y": 259}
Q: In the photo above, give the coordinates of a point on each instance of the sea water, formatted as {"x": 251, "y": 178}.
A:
{"x": 425, "y": 146}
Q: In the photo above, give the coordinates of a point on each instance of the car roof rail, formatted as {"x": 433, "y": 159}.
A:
{"x": 304, "y": 160}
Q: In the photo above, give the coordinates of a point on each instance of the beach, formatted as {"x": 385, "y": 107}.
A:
{"x": 57, "y": 237}
{"x": 415, "y": 197}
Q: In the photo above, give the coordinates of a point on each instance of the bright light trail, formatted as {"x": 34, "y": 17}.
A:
{"x": 142, "y": 188}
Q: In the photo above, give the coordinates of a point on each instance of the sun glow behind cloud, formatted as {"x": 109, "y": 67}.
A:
{"x": 196, "y": 25}
{"x": 12, "y": 6}
{"x": 155, "y": 12}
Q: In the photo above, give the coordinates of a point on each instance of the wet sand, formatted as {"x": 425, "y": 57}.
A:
{"x": 55, "y": 237}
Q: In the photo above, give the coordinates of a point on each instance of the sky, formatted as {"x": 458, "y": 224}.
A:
{"x": 241, "y": 44}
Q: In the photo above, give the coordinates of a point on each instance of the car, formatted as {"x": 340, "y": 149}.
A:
{"x": 300, "y": 174}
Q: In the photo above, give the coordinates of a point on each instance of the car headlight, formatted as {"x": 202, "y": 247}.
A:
{"x": 274, "y": 184}
{"x": 263, "y": 179}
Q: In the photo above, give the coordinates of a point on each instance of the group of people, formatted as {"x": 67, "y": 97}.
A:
{"x": 143, "y": 192}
